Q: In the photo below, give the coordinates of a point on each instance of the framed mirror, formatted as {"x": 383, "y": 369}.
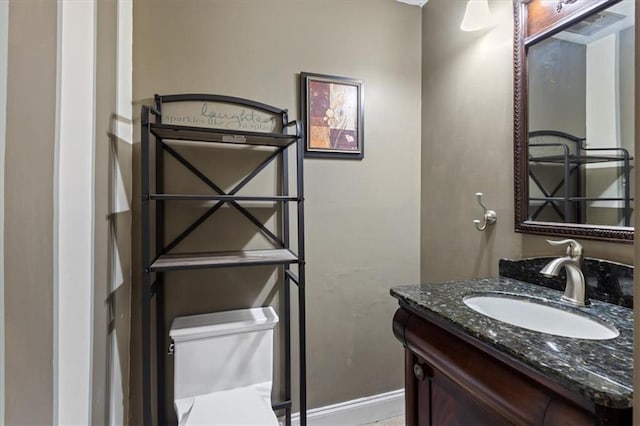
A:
{"x": 574, "y": 118}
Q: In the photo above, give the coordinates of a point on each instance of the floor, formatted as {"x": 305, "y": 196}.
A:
{"x": 395, "y": 421}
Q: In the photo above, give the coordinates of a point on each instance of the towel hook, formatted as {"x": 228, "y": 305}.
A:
{"x": 489, "y": 217}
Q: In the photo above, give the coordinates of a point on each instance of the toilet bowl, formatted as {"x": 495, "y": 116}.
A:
{"x": 223, "y": 367}
{"x": 243, "y": 406}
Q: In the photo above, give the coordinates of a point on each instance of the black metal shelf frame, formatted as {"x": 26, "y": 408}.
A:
{"x": 572, "y": 162}
{"x": 159, "y": 257}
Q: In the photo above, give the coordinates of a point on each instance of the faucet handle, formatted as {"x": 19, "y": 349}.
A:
{"x": 574, "y": 248}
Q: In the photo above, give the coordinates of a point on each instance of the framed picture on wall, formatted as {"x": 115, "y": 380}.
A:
{"x": 333, "y": 116}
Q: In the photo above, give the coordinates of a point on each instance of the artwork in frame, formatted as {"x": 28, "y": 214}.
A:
{"x": 333, "y": 115}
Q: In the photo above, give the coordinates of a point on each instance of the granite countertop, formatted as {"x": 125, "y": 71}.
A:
{"x": 600, "y": 370}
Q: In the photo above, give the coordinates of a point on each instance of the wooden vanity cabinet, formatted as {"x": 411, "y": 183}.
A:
{"x": 453, "y": 379}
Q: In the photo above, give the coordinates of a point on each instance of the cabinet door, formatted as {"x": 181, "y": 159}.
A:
{"x": 433, "y": 399}
{"x": 452, "y": 405}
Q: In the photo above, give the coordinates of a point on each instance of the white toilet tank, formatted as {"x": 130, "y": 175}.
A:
{"x": 223, "y": 367}
{"x": 223, "y": 351}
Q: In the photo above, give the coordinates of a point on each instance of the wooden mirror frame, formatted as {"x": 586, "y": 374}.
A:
{"x": 535, "y": 20}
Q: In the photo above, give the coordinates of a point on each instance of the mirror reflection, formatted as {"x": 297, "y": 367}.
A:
{"x": 581, "y": 121}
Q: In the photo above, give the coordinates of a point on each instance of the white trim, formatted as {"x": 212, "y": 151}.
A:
{"x": 124, "y": 88}
{"x": 357, "y": 411}
{"x": 56, "y": 180}
{"x": 74, "y": 211}
{"x": 4, "y": 55}
{"x": 119, "y": 369}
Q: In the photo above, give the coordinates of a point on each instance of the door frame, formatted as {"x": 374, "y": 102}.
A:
{"x": 74, "y": 208}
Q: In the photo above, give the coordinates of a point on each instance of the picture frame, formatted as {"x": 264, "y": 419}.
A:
{"x": 333, "y": 116}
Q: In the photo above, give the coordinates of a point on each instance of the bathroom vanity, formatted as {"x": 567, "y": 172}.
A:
{"x": 463, "y": 367}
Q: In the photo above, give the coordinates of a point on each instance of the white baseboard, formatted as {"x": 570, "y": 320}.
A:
{"x": 357, "y": 411}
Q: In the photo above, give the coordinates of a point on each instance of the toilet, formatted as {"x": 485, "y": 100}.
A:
{"x": 223, "y": 367}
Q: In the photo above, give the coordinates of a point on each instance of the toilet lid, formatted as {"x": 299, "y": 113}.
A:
{"x": 241, "y": 406}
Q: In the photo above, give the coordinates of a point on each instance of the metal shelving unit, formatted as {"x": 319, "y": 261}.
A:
{"x": 158, "y": 255}
{"x": 566, "y": 196}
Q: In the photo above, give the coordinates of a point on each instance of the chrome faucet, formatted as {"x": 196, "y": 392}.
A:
{"x": 574, "y": 292}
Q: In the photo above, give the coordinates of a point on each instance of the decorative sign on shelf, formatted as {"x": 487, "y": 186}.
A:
{"x": 216, "y": 115}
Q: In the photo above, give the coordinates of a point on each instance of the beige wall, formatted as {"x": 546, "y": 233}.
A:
{"x": 31, "y": 103}
{"x": 362, "y": 218}
{"x": 467, "y": 131}
{"x": 557, "y": 83}
{"x": 467, "y": 134}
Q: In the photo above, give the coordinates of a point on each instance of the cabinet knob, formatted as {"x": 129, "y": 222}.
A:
{"x": 418, "y": 371}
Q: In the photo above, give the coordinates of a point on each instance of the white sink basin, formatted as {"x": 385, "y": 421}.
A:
{"x": 537, "y": 316}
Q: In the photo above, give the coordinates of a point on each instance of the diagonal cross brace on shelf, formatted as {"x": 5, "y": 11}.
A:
{"x": 564, "y": 183}
{"x": 220, "y": 191}
{"x": 549, "y": 194}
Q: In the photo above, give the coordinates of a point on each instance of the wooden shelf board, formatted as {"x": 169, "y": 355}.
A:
{"x": 221, "y": 259}
{"x": 203, "y": 134}
{"x": 573, "y": 159}
{"x": 216, "y": 197}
